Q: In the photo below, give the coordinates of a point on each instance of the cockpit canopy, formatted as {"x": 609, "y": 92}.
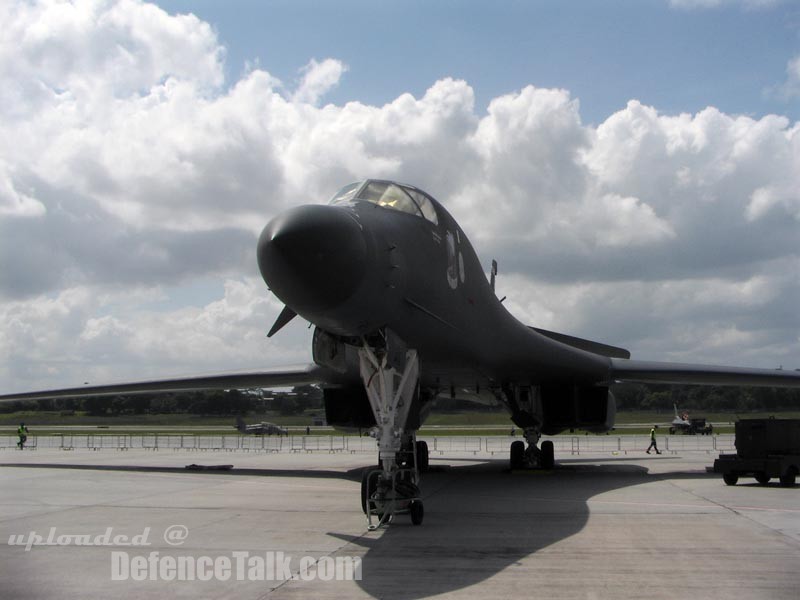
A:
{"x": 390, "y": 195}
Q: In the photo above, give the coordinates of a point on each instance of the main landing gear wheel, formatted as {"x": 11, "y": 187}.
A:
{"x": 789, "y": 479}
{"x": 730, "y": 478}
{"x": 531, "y": 457}
{"x": 762, "y": 478}
{"x": 517, "y": 455}
{"x": 417, "y": 511}
{"x": 423, "y": 459}
{"x": 547, "y": 459}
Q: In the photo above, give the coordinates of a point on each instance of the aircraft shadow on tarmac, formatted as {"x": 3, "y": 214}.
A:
{"x": 481, "y": 519}
{"x": 204, "y": 470}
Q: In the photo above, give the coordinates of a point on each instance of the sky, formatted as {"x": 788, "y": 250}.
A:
{"x": 633, "y": 166}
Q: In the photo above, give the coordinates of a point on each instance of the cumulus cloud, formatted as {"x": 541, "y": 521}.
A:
{"x": 318, "y": 79}
{"x": 767, "y": 199}
{"x": 130, "y": 170}
{"x": 70, "y": 337}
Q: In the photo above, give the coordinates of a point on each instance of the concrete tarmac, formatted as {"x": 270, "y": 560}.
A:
{"x": 598, "y": 526}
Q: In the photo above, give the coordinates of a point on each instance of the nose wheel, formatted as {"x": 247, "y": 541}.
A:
{"x": 382, "y": 498}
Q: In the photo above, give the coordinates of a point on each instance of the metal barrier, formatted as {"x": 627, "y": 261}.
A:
{"x": 456, "y": 444}
{"x": 366, "y": 444}
{"x": 563, "y": 444}
{"x": 494, "y": 445}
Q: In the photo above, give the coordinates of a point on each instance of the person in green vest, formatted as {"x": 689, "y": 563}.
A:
{"x": 653, "y": 440}
{"x": 22, "y": 432}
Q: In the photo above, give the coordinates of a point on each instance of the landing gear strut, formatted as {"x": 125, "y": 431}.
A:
{"x": 392, "y": 488}
{"x": 532, "y": 457}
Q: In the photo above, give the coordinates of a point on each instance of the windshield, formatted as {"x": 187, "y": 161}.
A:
{"x": 346, "y": 193}
{"x": 389, "y": 195}
{"x": 424, "y": 203}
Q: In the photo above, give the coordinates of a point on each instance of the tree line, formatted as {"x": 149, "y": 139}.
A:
{"x": 213, "y": 403}
{"x": 705, "y": 398}
{"x": 629, "y": 397}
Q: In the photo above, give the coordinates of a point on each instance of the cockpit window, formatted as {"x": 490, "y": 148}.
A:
{"x": 424, "y": 203}
{"x": 389, "y": 195}
{"x": 346, "y": 193}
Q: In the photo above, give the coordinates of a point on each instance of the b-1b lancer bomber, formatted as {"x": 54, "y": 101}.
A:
{"x": 403, "y": 314}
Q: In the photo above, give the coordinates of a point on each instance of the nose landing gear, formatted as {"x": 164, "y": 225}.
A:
{"x": 392, "y": 488}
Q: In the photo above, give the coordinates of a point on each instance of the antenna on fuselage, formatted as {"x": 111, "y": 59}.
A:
{"x": 494, "y": 273}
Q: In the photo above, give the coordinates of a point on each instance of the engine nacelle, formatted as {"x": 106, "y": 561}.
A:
{"x": 577, "y": 407}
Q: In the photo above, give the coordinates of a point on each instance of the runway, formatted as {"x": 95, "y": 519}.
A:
{"x": 598, "y": 526}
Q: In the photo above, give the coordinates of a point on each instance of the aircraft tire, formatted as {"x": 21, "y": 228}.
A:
{"x": 730, "y": 478}
{"x": 423, "y": 459}
{"x": 368, "y": 486}
{"x": 790, "y": 478}
{"x": 548, "y": 455}
{"x": 762, "y": 478}
{"x": 417, "y": 511}
{"x": 517, "y": 455}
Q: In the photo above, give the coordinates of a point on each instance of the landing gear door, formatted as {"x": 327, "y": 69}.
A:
{"x": 529, "y": 401}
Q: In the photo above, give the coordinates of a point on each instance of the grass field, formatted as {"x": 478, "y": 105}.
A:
{"x": 440, "y": 424}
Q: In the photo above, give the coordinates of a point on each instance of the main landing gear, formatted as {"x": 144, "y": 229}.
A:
{"x": 532, "y": 457}
{"x": 525, "y": 405}
{"x": 392, "y": 488}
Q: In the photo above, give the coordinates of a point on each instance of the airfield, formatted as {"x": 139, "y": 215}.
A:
{"x": 603, "y": 524}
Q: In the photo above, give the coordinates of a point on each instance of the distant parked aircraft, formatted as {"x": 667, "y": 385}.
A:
{"x": 683, "y": 424}
{"x": 262, "y": 428}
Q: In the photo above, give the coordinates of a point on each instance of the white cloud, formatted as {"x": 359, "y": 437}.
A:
{"x": 622, "y": 222}
{"x": 682, "y": 320}
{"x": 318, "y": 79}
{"x": 70, "y": 338}
{"x": 14, "y": 202}
{"x": 129, "y": 171}
{"x": 767, "y": 199}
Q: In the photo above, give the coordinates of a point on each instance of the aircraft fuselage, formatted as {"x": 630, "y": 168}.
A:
{"x": 364, "y": 267}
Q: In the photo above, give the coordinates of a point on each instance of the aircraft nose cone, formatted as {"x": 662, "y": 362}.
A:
{"x": 312, "y": 257}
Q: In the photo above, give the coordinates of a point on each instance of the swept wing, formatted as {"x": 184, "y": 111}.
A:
{"x": 662, "y": 372}
{"x": 267, "y": 378}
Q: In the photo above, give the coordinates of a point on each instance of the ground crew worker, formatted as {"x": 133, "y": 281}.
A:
{"x": 653, "y": 440}
{"x": 22, "y": 432}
